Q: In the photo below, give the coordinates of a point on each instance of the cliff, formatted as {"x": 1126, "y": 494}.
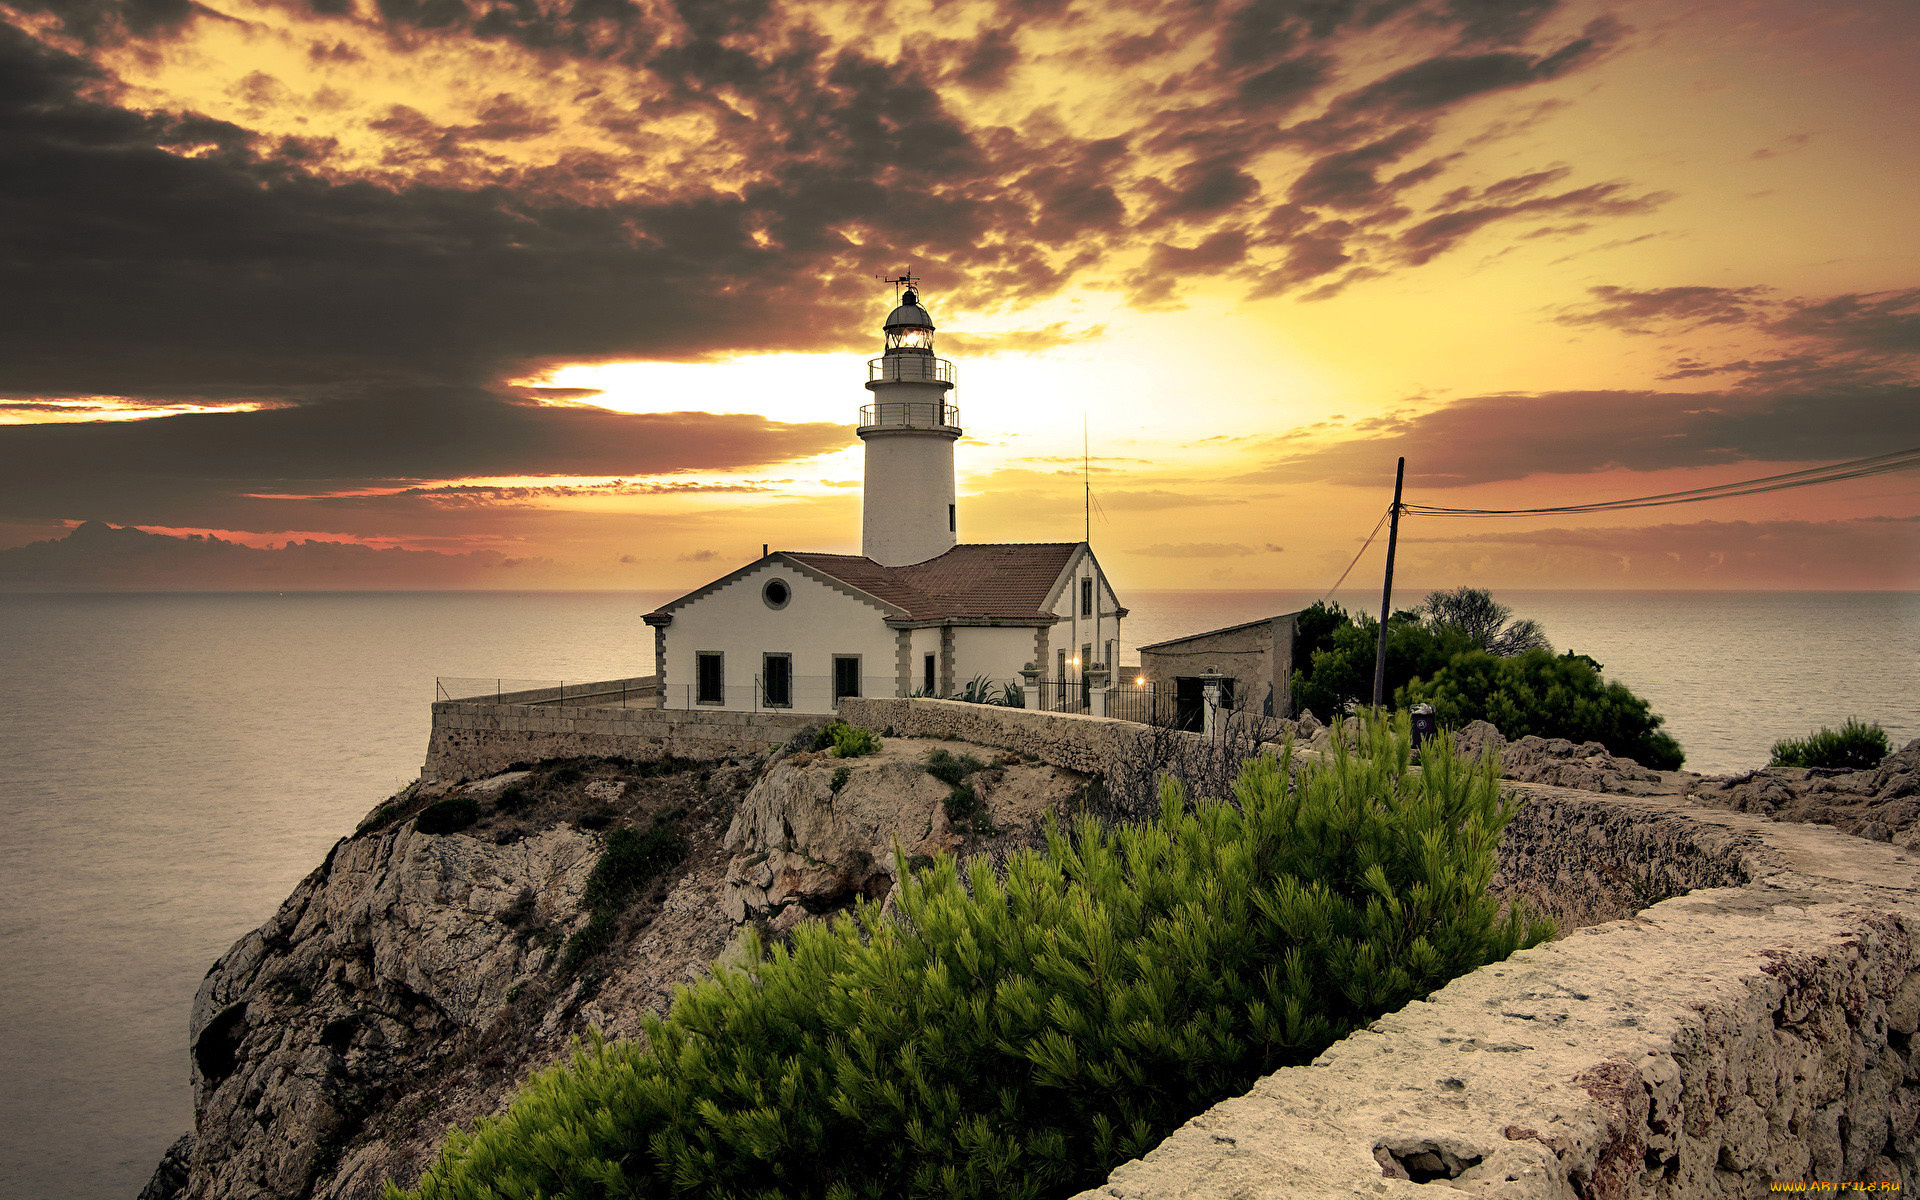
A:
{"x": 467, "y": 932}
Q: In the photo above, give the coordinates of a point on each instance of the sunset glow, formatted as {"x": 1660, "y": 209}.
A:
{"x": 595, "y": 289}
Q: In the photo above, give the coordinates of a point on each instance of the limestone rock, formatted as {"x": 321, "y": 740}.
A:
{"x": 378, "y": 962}
{"x": 1882, "y": 804}
{"x": 816, "y": 832}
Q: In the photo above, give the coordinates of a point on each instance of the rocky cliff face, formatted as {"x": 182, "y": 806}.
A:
{"x": 443, "y": 952}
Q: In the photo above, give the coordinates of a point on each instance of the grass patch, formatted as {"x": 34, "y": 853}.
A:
{"x": 1019, "y": 1034}
{"x": 448, "y": 816}
{"x": 1853, "y": 747}
{"x": 950, "y": 768}
{"x": 631, "y": 861}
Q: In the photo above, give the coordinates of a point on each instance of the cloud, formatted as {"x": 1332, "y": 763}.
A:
{"x": 1204, "y": 550}
{"x": 1646, "y": 311}
{"x": 1864, "y": 553}
{"x": 97, "y": 555}
{"x": 173, "y": 470}
{"x": 698, "y": 556}
{"x": 1484, "y": 439}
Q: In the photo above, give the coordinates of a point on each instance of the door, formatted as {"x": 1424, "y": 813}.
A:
{"x": 1189, "y": 702}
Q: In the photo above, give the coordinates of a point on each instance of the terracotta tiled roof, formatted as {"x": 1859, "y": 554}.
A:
{"x": 1008, "y": 580}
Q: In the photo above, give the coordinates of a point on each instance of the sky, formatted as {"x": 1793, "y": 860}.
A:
{"x": 578, "y": 293}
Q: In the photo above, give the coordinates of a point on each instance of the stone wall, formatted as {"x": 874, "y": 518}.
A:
{"x": 1756, "y": 1029}
{"x": 1074, "y": 741}
{"x": 473, "y": 739}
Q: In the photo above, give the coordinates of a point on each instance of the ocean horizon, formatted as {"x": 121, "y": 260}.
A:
{"x": 172, "y": 763}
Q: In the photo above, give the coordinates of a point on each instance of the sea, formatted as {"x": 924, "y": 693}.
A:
{"x": 172, "y": 764}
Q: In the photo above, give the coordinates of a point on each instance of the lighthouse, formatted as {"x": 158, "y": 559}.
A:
{"x": 909, "y": 429}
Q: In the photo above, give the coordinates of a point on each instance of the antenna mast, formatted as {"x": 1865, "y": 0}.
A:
{"x": 1086, "y": 478}
{"x": 905, "y": 279}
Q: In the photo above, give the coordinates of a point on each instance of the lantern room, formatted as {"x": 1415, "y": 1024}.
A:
{"x": 909, "y": 328}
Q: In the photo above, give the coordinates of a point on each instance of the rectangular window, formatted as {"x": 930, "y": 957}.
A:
{"x": 710, "y": 677}
{"x": 953, "y": 520}
{"x": 1060, "y": 664}
{"x": 930, "y": 674}
{"x": 1086, "y": 597}
{"x": 846, "y": 676}
{"x": 776, "y": 678}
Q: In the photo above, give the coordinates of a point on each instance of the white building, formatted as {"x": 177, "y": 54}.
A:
{"x": 916, "y": 612}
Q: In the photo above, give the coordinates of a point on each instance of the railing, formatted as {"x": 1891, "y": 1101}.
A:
{"x": 915, "y": 414}
{"x": 804, "y": 693}
{"x": 909, "y": 368}
{"x": 642, "y": 691}
{"x": 1149, "y": 704}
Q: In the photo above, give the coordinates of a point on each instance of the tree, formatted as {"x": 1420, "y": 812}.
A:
{"x": 1538, "y": 693}
{"x": 1490, "y": 624}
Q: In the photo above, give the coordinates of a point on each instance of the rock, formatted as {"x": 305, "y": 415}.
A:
{"x": 799, "y": 840}
{"x": 413, "y": 980}
{"x": 169, "y": 1180}
{"x": 1882, "y": 804}
{"x": 1586, "y": 765}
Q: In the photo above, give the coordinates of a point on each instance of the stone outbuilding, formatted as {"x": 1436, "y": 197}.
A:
{"x": 1257, "y": 658}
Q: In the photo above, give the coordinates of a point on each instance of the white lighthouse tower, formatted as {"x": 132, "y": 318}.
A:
{"x": 909, "y": 430}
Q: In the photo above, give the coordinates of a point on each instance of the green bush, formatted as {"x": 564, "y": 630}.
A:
{"x": 448, "y": 816}
{"x": 846, "y": 741}
{"x": 1854, "y": 747}
{"x": 951, "y": 768}
{"x": 631, "y": 861}
{"x": 1340, "y": 672}
{"x": 1019, "y": 1035}
{"x": 840, "y": 777}
{"x": 1541, "y": 694}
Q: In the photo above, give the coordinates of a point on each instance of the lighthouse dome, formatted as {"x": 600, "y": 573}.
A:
{"x": 909, "y": 313}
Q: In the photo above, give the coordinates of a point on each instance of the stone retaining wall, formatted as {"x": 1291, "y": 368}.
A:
{"x": 471, "y": 739}
{"x": 1074, "y": 741}
{"x": 1707, "y": 1046}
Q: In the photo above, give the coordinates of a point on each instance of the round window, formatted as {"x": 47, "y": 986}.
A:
{"x": 776, "y": 593}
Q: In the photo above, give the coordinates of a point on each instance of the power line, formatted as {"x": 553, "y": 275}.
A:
{"x": 1357, "y": 554}
{"x": 1880, "y": 464}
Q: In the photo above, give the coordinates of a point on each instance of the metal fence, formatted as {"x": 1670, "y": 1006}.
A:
{"x": 1070, "y": 695}
{"x": 638, "y": 692}
{"x": 1151, "y": 704}
{"x": 803, "y": 693}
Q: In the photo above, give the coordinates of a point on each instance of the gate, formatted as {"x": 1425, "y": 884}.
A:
{"x": 1147, "y": 703}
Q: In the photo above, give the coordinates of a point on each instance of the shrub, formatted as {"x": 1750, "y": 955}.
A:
{"x": 1538, "y": 693}
{"x": 840, "y": 777}
{"x": 846, "y": 741}
{"x": 951, "y": 768}
{"x": 1853, "y": 747}
{"x": 630, "y": 862}
{"x": 448, "y": 816}
{"x": 1019, "y": 1035}
{"x": 1341, "y": 674}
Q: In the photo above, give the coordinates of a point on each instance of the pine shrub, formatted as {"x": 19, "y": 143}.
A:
{"x": 1853, "y": 747}
{"x": 1018, "y": 1035}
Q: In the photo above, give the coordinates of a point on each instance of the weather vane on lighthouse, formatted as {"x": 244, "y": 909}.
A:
{"x": 905, "y": 279}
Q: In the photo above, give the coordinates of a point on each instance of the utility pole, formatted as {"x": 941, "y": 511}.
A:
{"x": 1386, "y": 591}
